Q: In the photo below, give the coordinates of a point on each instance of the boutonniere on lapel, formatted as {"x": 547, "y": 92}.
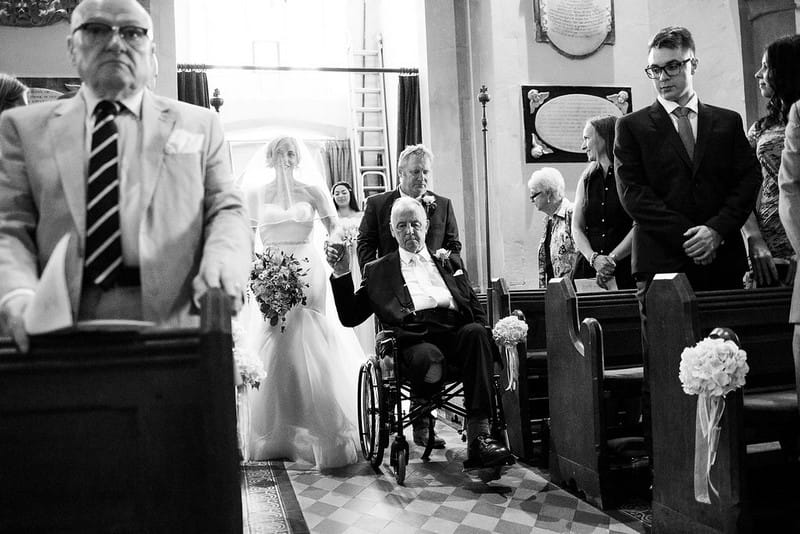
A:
{"x": 429, "y": 203}
{"x": 443, "y": 257}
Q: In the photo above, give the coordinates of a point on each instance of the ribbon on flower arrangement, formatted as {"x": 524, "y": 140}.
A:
{"x": 711, "y": 369}
{"x": 508, "y": 332}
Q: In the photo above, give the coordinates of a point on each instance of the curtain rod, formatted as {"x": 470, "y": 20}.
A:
{"x": 363, "y": 70}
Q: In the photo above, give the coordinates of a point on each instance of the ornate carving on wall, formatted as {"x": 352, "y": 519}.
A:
{"x": 35, "y": 13}
{"x": 29, "y": 13}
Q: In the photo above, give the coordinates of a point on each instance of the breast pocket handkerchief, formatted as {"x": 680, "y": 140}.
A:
{"x": 184, "y": 142}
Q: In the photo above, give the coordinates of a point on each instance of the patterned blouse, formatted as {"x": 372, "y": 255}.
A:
{"x": 562, "y": 249}
{"x": 768, "y": 143}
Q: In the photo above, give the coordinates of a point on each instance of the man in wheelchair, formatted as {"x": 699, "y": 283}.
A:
{"x": 426, "y": 298}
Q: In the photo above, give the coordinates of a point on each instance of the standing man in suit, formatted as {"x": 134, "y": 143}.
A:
{"x": 139, "y": 181}
{"x": 688, "y": 178}
{"x": 428, "y": 301}
{"x": 374, "y": 236}
{"x": 789, "y": 208}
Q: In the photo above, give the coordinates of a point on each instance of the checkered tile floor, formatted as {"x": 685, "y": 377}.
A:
{"x": 439, "y": 497}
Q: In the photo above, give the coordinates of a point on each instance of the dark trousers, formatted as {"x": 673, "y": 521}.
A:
{"x": 465, "y": 347}
{"x": 642, "y": 285}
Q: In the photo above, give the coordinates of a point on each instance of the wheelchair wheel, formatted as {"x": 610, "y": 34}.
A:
{"x": 373, "y": 427}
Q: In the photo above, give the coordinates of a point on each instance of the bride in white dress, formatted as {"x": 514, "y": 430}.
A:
{"x": 305, "y": 409}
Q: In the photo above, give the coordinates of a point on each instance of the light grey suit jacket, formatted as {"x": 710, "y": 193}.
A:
{"x": 192, "y": 213}
{"x": 789, "y": 199}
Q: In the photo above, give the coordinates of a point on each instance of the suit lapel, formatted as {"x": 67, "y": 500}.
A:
{"x": 68, "y": 123}
{"x": 158, "y": 121}
{"x": 666, "y": 130}
{"x": 450, "y": 282}
{"x": 704, "y": 120}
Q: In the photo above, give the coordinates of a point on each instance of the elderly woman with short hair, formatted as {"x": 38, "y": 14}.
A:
{"x": 557, "y": 249}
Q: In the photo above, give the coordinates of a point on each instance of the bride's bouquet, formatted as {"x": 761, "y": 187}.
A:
{"x": 507, "y": 333}
{"x": 276, "y": 281}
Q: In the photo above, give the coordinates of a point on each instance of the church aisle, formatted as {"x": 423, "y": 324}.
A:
{"x": 437, "y": 497}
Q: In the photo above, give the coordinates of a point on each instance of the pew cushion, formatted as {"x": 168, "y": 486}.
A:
{"x": 629, "y": 450}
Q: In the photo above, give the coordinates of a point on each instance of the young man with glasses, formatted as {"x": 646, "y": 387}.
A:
{"x": 687, "y": 176}
{"x": 140, "y": 182}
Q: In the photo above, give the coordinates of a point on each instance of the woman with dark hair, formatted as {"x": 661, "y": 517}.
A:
{"x": 13, "y": 92}
{"x": 349, "y": 220}
{"x": 768, "y": 249}
{"x": 344, "y": 200}
{"x": 601, "y": 228}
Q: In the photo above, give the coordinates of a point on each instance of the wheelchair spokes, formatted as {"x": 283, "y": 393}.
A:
{"x": 372, "y": 428}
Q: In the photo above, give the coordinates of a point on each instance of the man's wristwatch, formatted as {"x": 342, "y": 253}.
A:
{"x": 594, "y": 257}
{"x": 612, "y": 256}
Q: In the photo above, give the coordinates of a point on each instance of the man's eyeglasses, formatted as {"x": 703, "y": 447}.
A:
{"x": 534, "y": 195}
{"x": 99, "y": 32}
{"x": 673, "y": 68}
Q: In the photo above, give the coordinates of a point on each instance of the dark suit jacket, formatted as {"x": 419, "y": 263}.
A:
{"x": 666, "y": 193}
{"x": 383, "y": 292}
{"x": 375, "y": 240}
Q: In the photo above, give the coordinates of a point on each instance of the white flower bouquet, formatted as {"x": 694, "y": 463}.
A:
{"x": 276, "y": 281}
{"x": 710, "y": 369}
{"x": 507, "y": 333}
{"x": 346, "y": 233}
{"x": 250, "y": 368}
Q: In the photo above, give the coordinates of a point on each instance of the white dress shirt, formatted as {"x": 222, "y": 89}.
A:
{"x": 670, "y": 106}
{"x": 424, "y": 282}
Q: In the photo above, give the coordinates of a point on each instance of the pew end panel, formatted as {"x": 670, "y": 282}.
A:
{"x": 575, "y": 427}
{"x": 678, "y": 318}
{"x": 125, "y": 431}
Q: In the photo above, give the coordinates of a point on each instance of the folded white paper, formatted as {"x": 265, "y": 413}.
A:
{"x": 50, "y": 308}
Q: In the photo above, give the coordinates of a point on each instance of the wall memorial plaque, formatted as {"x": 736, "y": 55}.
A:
{"x": 554, "y": 117}
{"x": 576, "y": 28}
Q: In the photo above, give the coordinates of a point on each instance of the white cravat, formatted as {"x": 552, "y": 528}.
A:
{"x": 424, "y": 282}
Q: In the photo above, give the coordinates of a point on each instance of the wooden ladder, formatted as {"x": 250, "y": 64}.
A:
{"x": 370, "y": 139}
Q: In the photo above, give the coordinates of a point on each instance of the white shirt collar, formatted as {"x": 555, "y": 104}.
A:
{"x": 406, "y": 256}
{"x": 670, "y": 106}
{"x": 132, "y": 103}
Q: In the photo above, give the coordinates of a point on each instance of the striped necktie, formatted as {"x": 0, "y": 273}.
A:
{"x": 103, "y": 238}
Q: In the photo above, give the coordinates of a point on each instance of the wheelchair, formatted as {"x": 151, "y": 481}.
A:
{"x": 381, "y": 392}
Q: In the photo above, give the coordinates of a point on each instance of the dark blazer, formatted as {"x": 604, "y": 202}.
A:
{"x": 383, "y": 292}
{"x": 375, "y": 240}
{"x": 666, "y": 193}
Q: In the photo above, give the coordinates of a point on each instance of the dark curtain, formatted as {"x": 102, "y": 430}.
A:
{"x": 409, "y": 124}
{"x": 193, "y": 88}
{"x": 338, "y": 162}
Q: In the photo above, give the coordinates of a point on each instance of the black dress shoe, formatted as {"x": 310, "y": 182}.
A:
{"x": 485, "y": 451}
{"x": 421, "y": 438}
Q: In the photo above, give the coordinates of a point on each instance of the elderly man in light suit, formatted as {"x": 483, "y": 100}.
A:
{"x": 789, "y": 208}
{"x": 177, "y": 223}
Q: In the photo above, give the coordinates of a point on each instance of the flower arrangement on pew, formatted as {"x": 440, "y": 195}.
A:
{"x": 711, "y": 369}
{"x": 276, "y": 281}
{"x": 250, "y": 368}
{"x": 508, "y": 332}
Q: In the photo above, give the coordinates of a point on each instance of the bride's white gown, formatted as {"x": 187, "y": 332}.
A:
{"x": 305, "y": 409}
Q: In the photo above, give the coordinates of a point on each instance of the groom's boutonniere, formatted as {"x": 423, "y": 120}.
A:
{"x": 429, "y": 203}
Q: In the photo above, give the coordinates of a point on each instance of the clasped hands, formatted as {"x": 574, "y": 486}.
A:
{"x": 605, "y": 266}
{"x": 701, "y": 244}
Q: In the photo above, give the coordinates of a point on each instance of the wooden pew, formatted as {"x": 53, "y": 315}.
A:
{"x": 594, "y": 376}
{"x": 122, "y": 431}
{"x": 535, "y": 413}
{"x": 679, "y": 318}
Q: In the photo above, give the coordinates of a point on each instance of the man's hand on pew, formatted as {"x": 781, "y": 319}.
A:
{"x": 12, "y": 322}
{"x": 214, "y": 275}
